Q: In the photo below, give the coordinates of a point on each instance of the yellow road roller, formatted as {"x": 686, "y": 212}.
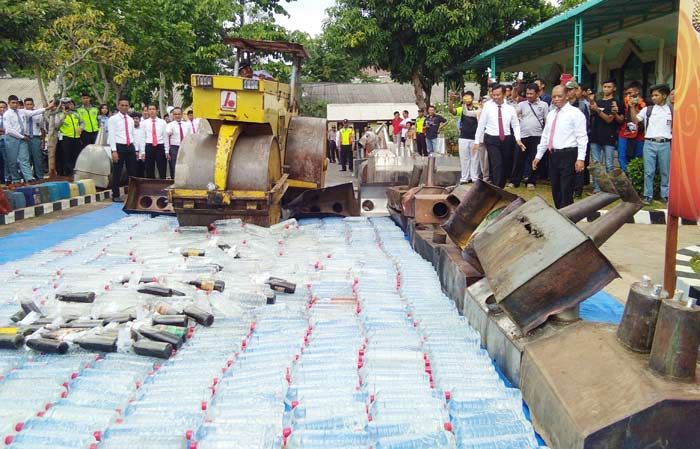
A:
{"x": 259, "y": 152}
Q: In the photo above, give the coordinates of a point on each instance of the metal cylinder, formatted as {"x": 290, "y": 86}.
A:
{"x": 624, "y": 187}
{"x": 604, "y": 227}
{"x": 587, "y": 206}
{"x": 430, "y": 179}
{"x": 636, "y": 329}
{"x": 674, "y": 352}
{"x": 600, "y": 174}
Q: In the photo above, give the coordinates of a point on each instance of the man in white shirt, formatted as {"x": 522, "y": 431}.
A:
{"x": 3, "y": 156}
{"x": 405, "y": 125}
{"x": 658, "y": 124}
{"x": 494, "y": 131}
{"x": 565, "y": 137}
{"x": 17, "y": 132}
{"x": 532, "y": 113}
{"x": 36, "y": 133}
{"x": 121, "y": 141}
{"x": 140, "y": 144}
{"x": 193, "y": 123}
{"x": 176, "y": 130}
{"x": 157, "y": 144}
{"x": 332, "y": 148}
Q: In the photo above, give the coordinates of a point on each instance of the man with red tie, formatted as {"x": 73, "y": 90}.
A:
{"x": 176, "y": 130}
{"x": 565, "y": 137}
{"x": 494, "y": 131}
{"x": 121, "y": 141}
{"x": 192, "y": 123}
{"x": 157, "y": 145}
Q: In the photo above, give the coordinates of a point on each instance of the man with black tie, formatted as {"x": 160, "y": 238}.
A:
{"x": 121, "y": 141}
{"x": 565, "y": 137}
{"x": 494, "y": 131}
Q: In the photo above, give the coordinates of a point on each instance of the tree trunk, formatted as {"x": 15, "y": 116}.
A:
{"x": 428, "y": 89}
{"x": 418, "y": 91}
{"x": 40, "y": 83}
{"x": 161, "y": 95}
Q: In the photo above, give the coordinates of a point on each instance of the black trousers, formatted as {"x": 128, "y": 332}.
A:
{"x": 500, "y": 158}
{"x": 562, "y": 176}
{"x": 87, "y": 138}
{"x": 583, "y": 178}
{"x": 346, "y": 156}
{"x": 155, "y": 157}
{"x": 69, "y": 149}
{"x": 522, "y": 162}
{"x": 174, "y": 149}
{"x": 332, "y": 151}
{"x": 421, "y": 146}
{"x": 127, "y": 158}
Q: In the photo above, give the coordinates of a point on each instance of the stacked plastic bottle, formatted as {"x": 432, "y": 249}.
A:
{"x": 79, "y": 419}
{"x": 366, "y": 353}
{"x": 484, "y": 414}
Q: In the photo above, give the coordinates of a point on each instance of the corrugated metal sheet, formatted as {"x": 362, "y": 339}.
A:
{"x": 368, "y": 112}
{"x": 352, "y": 93}
{"x": 23, "y": 88}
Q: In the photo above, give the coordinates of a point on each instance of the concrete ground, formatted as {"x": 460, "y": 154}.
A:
{"x": 635, "y": 250}
{"x": 638, "y": 249}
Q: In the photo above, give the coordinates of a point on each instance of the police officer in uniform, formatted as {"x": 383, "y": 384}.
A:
{"x": 88, "y": 114}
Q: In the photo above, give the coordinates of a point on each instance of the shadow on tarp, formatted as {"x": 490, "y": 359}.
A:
{"x": 22, "y": 244}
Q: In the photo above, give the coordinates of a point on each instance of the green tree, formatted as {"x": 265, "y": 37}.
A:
{"x": 568, "y": 4}
{"x": 22, "y": 24}
{"x": 418, "y": 41}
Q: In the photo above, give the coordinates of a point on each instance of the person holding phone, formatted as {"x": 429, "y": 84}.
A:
{"x": 630, "y": 137}
{"x": 604, "y": 128}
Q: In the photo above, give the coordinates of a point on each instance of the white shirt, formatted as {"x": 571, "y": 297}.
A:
{"x": 16, "y": 123}
{"x": 660, "y": 122}
{"x": 193, "y": 125}
{"x": 117, "y": 130}
{"x": 36, "y": 123}
{"x": 173, "y": 131}
{"x": 140, "y": 139}
{"x": 161, "y": 132}
{"x": 569, "y": 131}
{"x": 404, "y": 128}
{"x": 488, "y": 121}
{"x": 532, "y": 116}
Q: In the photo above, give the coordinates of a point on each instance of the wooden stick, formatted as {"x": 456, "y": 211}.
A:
{"x": 670, "y": 258}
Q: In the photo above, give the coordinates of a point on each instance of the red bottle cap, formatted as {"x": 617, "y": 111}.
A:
{"x": 204, "y": 405}
{"x": 19, "y": 426}
{"x": 448, "y": 426}
{"x": 98, "y": 435}
{"x": 8, "y": 440}
{"x": 188, "y": 435}
{"x": 286, "y": 432}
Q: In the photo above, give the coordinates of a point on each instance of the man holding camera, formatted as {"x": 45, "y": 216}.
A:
{"x": 630, "y": 136}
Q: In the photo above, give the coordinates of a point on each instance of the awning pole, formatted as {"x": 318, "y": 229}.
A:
{"x": 493, "y": 67}
{"x": 578, "y": 48}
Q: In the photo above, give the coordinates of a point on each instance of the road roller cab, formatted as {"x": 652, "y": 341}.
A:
{"x": 252, "y": 151}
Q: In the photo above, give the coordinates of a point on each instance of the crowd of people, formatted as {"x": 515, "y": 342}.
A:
{"x": 519, "y": 134}
{"x": 24, "y": 132}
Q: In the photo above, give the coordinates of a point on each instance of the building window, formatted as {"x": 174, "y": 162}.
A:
{"x": 635, "y": 70}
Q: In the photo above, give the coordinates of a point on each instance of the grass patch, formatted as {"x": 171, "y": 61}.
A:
{"x": 695, "y": 263}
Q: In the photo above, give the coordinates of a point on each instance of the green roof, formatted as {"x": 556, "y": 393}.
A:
{"x": 600, "y": 17}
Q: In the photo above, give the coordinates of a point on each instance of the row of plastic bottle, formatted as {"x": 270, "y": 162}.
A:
{"x": 483, "y": 412}
{"x": 367, "y": 352}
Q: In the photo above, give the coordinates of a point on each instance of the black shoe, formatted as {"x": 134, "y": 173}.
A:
{"x": 342, "y": 169}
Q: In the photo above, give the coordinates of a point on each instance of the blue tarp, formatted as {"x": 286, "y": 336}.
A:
{"x": 603, "y": 308}
{"x": 22, "y": 244}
